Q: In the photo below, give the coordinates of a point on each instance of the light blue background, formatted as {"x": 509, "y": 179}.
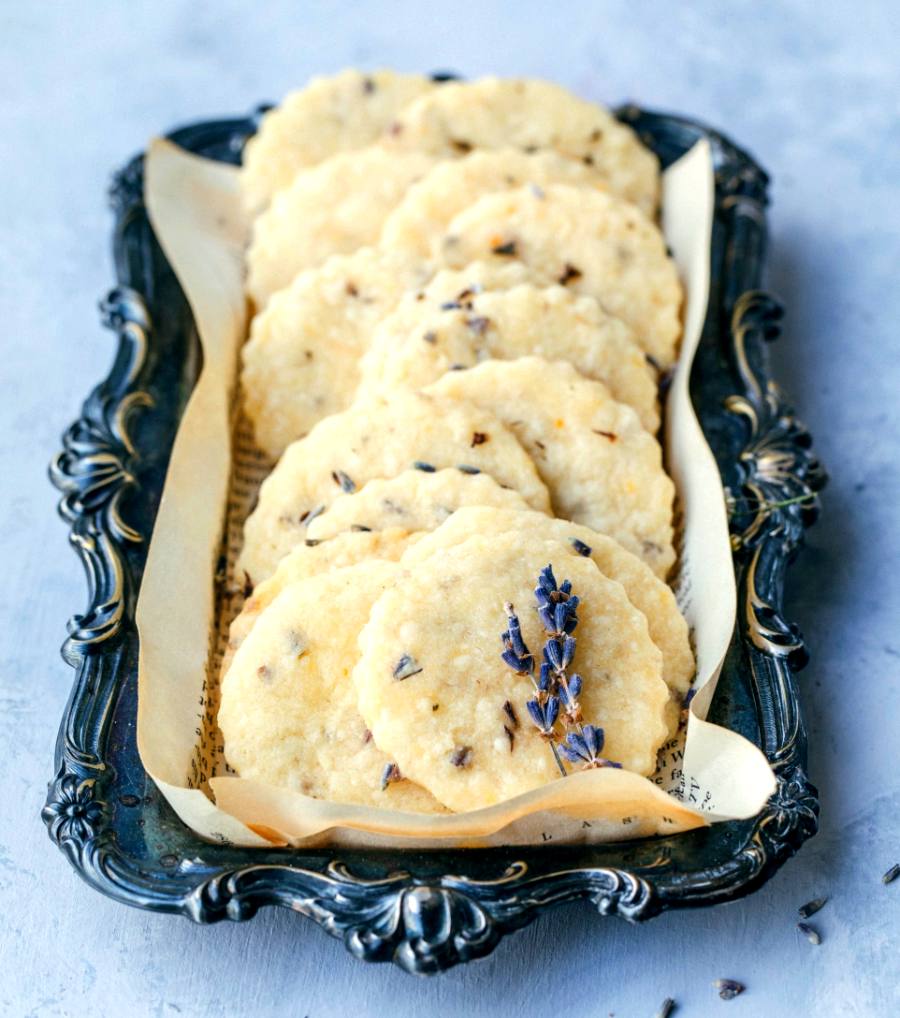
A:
{"x": 813, "y": 89}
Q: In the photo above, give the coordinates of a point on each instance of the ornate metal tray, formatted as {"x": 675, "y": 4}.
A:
{"x": 425, "y": 911}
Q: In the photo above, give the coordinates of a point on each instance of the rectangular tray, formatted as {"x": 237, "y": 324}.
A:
{"x": 424, "y": 910}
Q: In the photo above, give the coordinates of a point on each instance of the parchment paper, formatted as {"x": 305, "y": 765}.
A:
{"x": 189, "y": 593}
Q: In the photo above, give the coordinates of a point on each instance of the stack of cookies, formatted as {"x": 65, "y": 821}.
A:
{"x": 464, "y": 305}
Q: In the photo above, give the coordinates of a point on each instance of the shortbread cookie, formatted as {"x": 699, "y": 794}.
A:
{"x": 420, "y": 340}
{"x": 440, "y": 701}
{"x": 313, "y": 559}
{"x": 530, "y": 115}
{"x": 601, "y": 467}
{"x": 301, "y": 361}
{"x": 647, "y": 592}
{"x": 288, "y": 709}
{"x": 418, "y": 223}
{"x": 414, "y": 500}
{"x": 333, "y": 208}
{"x": 379, "y": 436}
{"x": 588, "y": 240}
{"x": 330, "y": 115}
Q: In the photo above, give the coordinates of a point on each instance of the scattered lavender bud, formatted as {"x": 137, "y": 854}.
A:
{"x": 478, "y": 324}
{"x": 311, "y": 514}
{"x": 729, "y": 988}
{"x": 346, "y": 483}
{"x": 390, "y": 773}
{"x": 581, "y": 547}
{"x": 451, "y": 305}
{"x": 430, "y": 336}
{"x": 891, "y": 874}
{"x": 568, "y": 274}
{"x": 426, "y": 468}
{"x": 461, "y": 756}
{"x": 510, "y": 712}
{"x": 810, "y": 932}
{"x": 466, "y": 468}
{"x": 666, "y": 1008}
{"x": 406, "y": 667}
{"x": 508, "y": 249}
{"x": 811, "y": 907}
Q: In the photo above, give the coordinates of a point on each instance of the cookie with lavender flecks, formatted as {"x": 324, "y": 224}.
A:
{"x": 301, "y": 360}
{"x": 333, "y": 208}
{"x": 331, "y": 114}
{"x": 599, "y": 245}
{"x": 418, "y": 222}
{"x": 530, "y": 115}
{"x": 288, "y": 709}
{"x": 415, "y": 500}
{"x": 379, "y": 436}
{"x": 441, "y": 701}
{"x": 653, "y": 598}
{"x": 421, "y": 339}
{"x": 601, "y": 467}
{"x": 313, "y": 559}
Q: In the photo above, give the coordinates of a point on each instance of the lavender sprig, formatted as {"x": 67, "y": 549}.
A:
{"x": 556, "y": 692}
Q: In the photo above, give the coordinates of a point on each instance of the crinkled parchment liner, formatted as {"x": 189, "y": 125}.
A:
{"x": 189, "y": 594}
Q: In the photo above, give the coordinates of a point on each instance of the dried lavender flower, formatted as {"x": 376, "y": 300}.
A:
{"x": 406, "y": 667}
{"x": 346, "y": 483}
{"x": 544, "y": 715}
{"x": 810, "y": 932}
{"x": 508, "y": 249}
{"x": 557, "y": 609}
{"x": 811, "y": 907}
{"x": 584, "y": 747}
{"x": 729, "y": 988}
{"x": 666, "y": 1008}
{"x": 515, "y": 653}
{"x": 390, "y": 773}
{"x": 891, "y": 874}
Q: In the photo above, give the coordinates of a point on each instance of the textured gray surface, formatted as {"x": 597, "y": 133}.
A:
{"x": 814, "y": 93}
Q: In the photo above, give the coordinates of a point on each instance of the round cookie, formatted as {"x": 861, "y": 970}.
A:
{"x": 330, "y": 115}
{"x": 653, "y": 598}
{"x": 530, "y": 115}
{"x": 313, "y": 559}
{"x": 288, "y": 710}
{"x": 419, "y": 221}
{"x": 432, "y": 686}
{"x": 414, "y": 500}
{"x": 333, "y": 208}
{"x": 596, "y": 244}
{"x": 301, "y": 360}
{"x": 420, "y": 340}
{"x": 379, "y": 436}
{"x": 601, "y": 467}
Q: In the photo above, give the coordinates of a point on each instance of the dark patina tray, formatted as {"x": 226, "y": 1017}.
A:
{"x": 423, "y": 910}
